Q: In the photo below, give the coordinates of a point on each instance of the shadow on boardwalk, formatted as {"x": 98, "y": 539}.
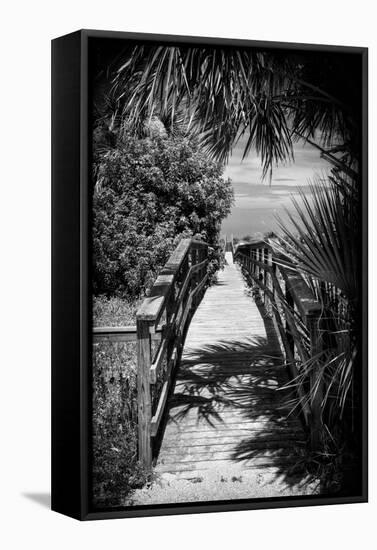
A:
{"x": 235, "y": 390}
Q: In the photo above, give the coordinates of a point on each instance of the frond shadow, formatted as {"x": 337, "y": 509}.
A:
{"x": 243, "y": 381}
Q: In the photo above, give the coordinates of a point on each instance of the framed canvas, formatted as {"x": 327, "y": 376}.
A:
{"x": 209, "y": 233}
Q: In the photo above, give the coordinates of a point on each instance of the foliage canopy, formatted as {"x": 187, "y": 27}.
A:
{"x": 272, "y": 97}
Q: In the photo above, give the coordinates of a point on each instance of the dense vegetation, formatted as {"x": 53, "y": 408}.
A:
{"x": 322, "y": 245}
{"x": 149, "y": 193}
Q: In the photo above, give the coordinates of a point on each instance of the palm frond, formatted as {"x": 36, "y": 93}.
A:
{"x": 320, "y": 242}
{"x": 225, "y": 93}
{"x": 322, "y": 237}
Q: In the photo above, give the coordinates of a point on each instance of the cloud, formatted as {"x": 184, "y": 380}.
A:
{"x": 257, "y": 202}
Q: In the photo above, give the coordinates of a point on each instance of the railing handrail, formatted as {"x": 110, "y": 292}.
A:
{"x": 299, "y": 306}
{"x": 120, "y": 334}
{"x": 176, "y": 292}
{"x": 302, "y": 295}
{"x": 153, "y": 305}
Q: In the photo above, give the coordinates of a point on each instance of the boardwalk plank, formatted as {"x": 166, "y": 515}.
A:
{"x": 228, "y": 408}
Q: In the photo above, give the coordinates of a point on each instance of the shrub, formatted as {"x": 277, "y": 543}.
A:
{"x": 149, "y": 194}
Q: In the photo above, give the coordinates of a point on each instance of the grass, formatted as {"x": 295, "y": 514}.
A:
{"x": 113, "y": 312}
{"x": 116, "y": 471}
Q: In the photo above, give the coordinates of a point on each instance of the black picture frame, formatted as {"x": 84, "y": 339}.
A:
{"x": 71, "y": 301}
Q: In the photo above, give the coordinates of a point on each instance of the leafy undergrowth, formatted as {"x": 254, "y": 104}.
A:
{"x": 336, "y": 465}
{"x": 116, "y": 470}
{"x": 114, "y": 312}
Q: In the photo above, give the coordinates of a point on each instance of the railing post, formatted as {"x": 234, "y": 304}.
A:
{"x": 144, "y": 404}
{"x": 257, "y": 269}
{"x": 265, "y": 273}
{"x": 268, "y": 282}
{"x": 201, "y": 271}
{"x": 273, "y": 279}
{"x": 170, "y": 307}
{"x": 316, "y": 384}
{"x": 195, "y": 277}
{"x": 290, "y": 303}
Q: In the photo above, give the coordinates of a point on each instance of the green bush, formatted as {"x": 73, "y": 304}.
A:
{"x": 149, "y": 194}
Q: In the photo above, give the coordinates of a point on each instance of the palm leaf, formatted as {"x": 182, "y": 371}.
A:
{"x": 322, "y": 238}
{"x": 228, "y": 92}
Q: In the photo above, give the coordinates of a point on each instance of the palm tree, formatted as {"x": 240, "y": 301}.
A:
{"x": 222, "y": 94}
{"x": 322, "y": 244}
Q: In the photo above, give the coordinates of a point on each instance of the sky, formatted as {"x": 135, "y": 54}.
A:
{"x": 256, "y": 202}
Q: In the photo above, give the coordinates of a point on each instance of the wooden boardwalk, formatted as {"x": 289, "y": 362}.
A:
{"x": 225, "y": 411}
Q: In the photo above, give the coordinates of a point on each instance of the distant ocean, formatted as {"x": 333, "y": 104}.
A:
{"x": 256, "y": 202}
{"x": 244, "y": 221}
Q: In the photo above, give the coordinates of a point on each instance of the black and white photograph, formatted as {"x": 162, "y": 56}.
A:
{"x": 226, "y": 192}
{"x": 188, "y": 258}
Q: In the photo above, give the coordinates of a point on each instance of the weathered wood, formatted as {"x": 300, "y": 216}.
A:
{"x": 290, "y": 304}
{"x": 236, "y": 405}
{"x": 258, "y": 263}
{"x": 179, "y": 255}
{"x": 182, "y": 320}
{"x": 143, "y": 393}
{"x": 316, "y": 384}
{"x": 172, "y": 296}
{"x": 179, "y": 317}
{"x": 301, "y": 293}
{"x": 200, "y": 286}
{"x": 289, "y": 315}
{"x": 190, "y": 279}
{"x": 183, "y": 455}
{"x": 156, "y": 420}
{"x": 205, "y": 441}
{"x": 121, "y": 334}
{"x": 277, "y": 299}
{"x": 202, "y": 436}
{"x": 156, "y": 365}
{"x": 152, "y": 307}
{"x": 227, "y": 360}
{"x": 302, "y": 296}
{"x": 298, "y": 294}
{"x": 196, "y": 276}
{"x": 198, "y": 267}
{"x": 114, "y": 334}
{"x": 198, "y": 468}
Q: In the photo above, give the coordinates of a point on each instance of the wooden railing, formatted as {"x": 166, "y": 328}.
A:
{"x": 295, "y": 312}
{"x": 169, "y": 308}
{"x": 120, "y": 334}
{"x": 162, "y": 322}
